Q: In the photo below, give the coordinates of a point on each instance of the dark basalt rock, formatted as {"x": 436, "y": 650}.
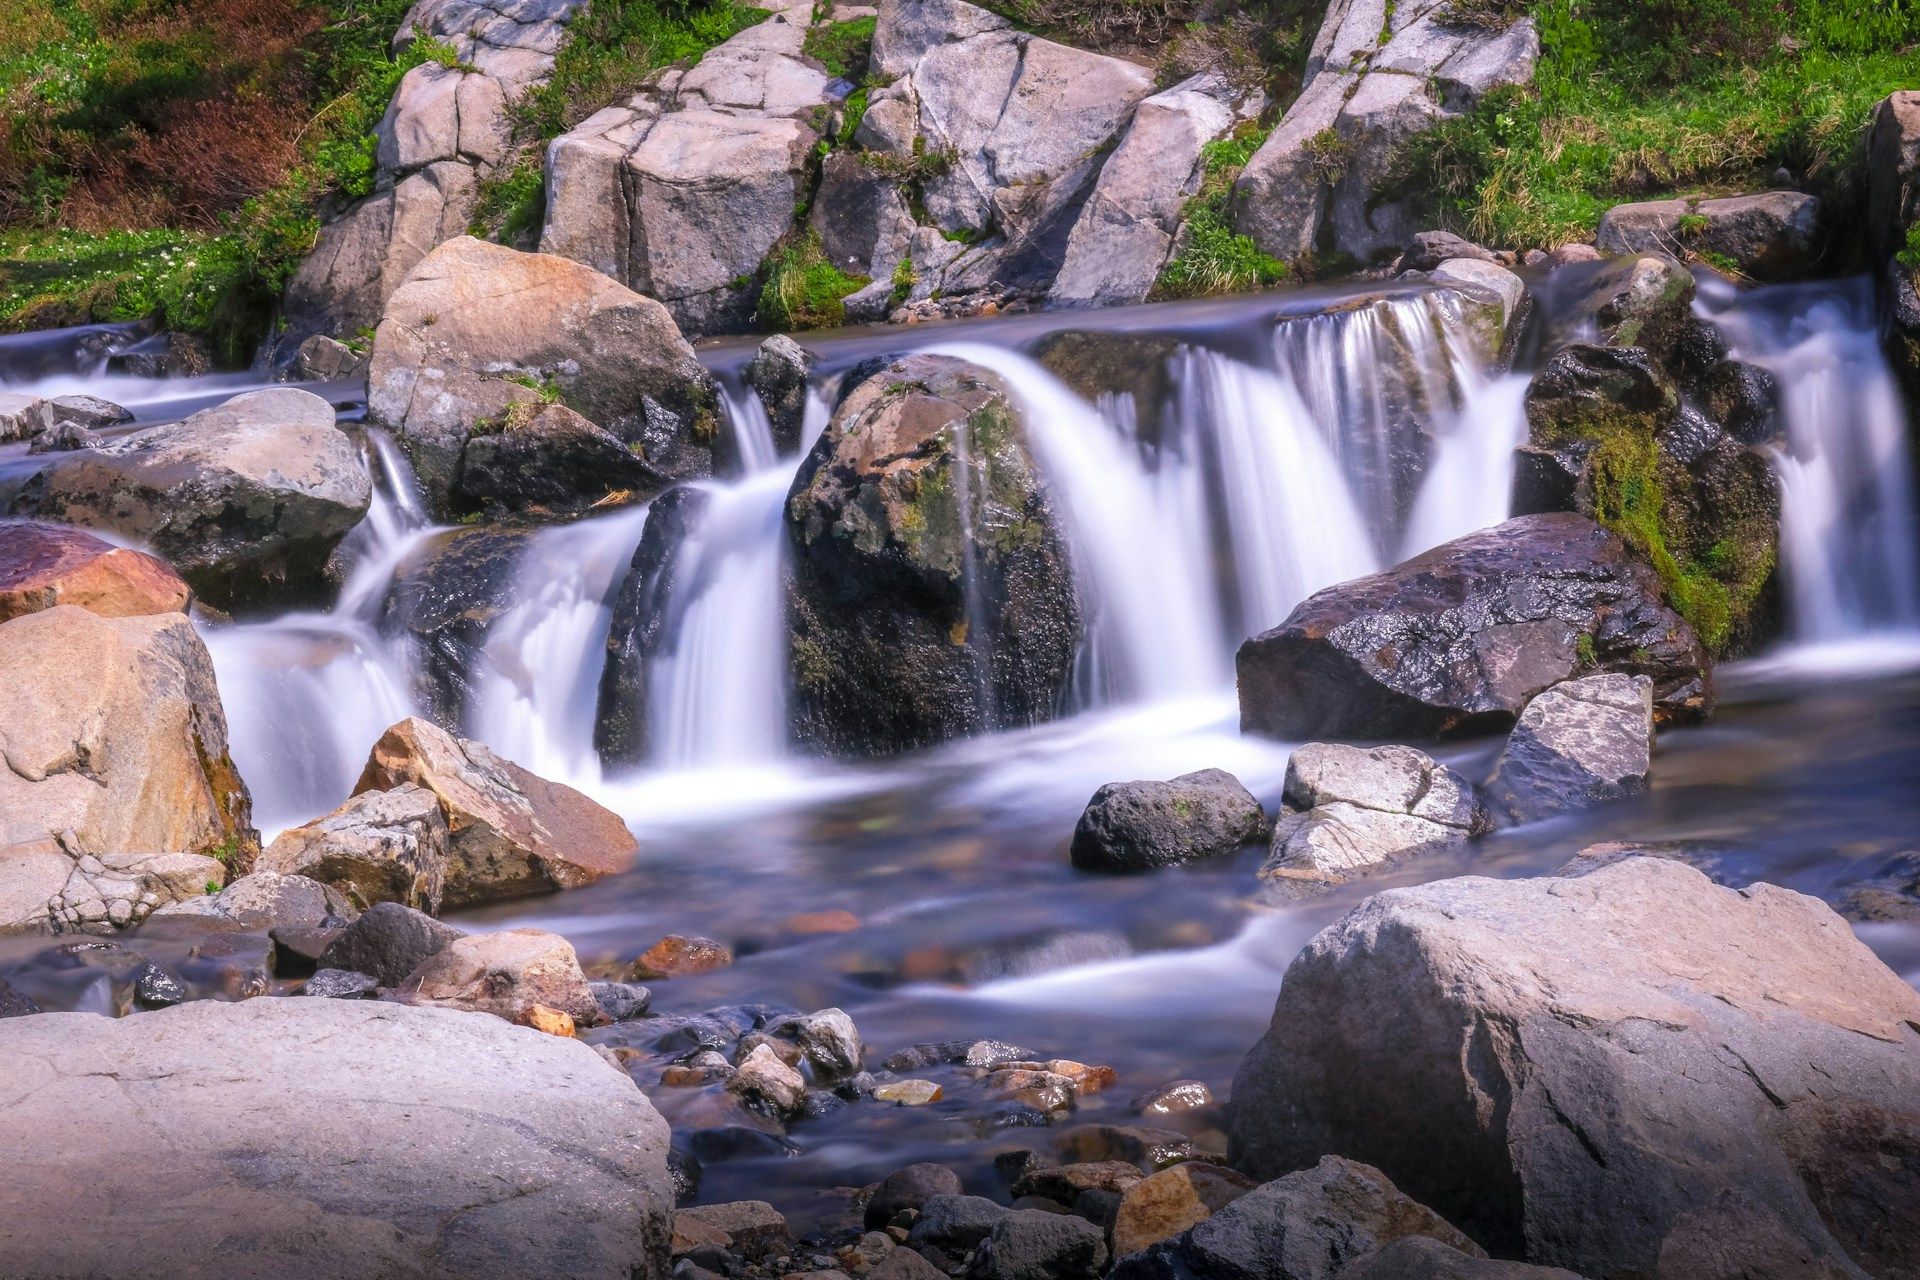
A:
{"x": 1459, "y": 639}
{"x": 552, "y": 461}
{"x": 640, "y": 617}
{"x": 445, "y": 597}
{"x": 388, "y": 942}
{"x": 1745, "y": 399}
{"x": 1144, "y": 826}
{"x": 909, "y": 1188}
{"x": 930, "y": 595}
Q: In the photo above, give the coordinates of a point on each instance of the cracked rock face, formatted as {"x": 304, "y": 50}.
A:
{"x": 1579, "y": 744}
{"x": 324, "y": 1138}
{"x": 1727, "y": 1082}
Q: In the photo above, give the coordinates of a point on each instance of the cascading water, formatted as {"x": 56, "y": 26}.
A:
{"x": 1847, "y": 523}
{"x": 1468, "y": 484}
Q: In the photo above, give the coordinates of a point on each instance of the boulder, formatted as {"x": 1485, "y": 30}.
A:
{"x": 780, "y": 373}
{"x": 477, "y": 329}
{"x": 1425, "y": 1258}
{"x": 1144, "y": 826}
{"x": 43, "y": 565}
{"x": 828, "y": 1039}
{"x": 1578, "y": 744}
{"x": 763, "y": 1078}
{"x": 930, "y": 594}
{"x": 1170, "y": 1202}
{"x": 1629, "y": 1072}
{"x": 1773, "y": 235}
{"x": 954, "y": 1224}
{"x": 621, "y": 729}
{"x": 1481, "y": 279}
{"x": 509, "y": 974}
{"x": 509, "y": 833}
{"x": 1307, "y": 1225}
{"x": 1893, "y": 209}
{"x": 119, "y": 757}
{"x": 443, "y": 113}
{"x": 271, "y": 901}
{"x": 1378, "y": 76}
{"x": 323, "y": 359}
{"x": 321, "y": 1138}
{"x": 445, "y": 595}
{"x": 380, "y": 846}
{"x": 1124, "y": 233}
{"x": 388, "y": 942}
{"x": 1641, "y": 301}
{"x": 90, "y": 412}
{"x": 66, "y": 438}
{"x": 908, "y": 1188}
{"x": 1461, "y": 638}
{"x": 547, "y": 460}
{"x": 23, "y": 416}
{"x": 241, "y": 498}
{"x": 1351, "y": 810}
{"x": 1428, "y": 249}
{"x": 1031, "y": 1244}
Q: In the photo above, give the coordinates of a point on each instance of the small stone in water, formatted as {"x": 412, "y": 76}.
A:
{"x": 676, "y": 956}
{"x": 621, "y": 1001}
{"x": 1171, "y": 1099}
{"x": 994, "y": 1053}
{"x": 541, "y": 1017}
{"x": 1085, "y": 1079}
{"x": 762, "y": 1075}
{"x": 341, "y": 984}
{"x": 705, "y": 1068}
{"x": 909, "y": 1093}
{"x": 812, "y": 922}
{"x": 156, "y": 988}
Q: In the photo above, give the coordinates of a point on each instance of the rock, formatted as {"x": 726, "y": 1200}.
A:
{"x": 43, "y": 565}
{"x": 1643, "y": 301}
{"x": 506, "y": 974}
{"x": 954, "y": 1224}
{"x": 1305, "y": 1226}
{"x": 1168, "y": 1203}
{"x": 1352, "y": 810}
{"x": 389, "y": 941}
{"x": 272, "y": 901}
{"x": 1480, "y": 278}
{"x": 510, "y": 833}
{"x": 1893, "y": 208}
{"x": 639, "y": 629}
{"x": 23, "y": 416}
{"x": 1137, "y": 369}
{"x": 621, "y": 1001}
{"x": 241, "y": 498}
{"x": 475, "y": 323}
{"x": 1460, "y": 638}
{"x": 675, "y": 956}
{"x": 380, "y": 846}
{"x": 930, "y": 594}
{"x": 779, "y": 374}
{"x": 1144, "y": 826}
{"x": 1425, "y": 1258}
{"x": 866, "y": 227}
{"x": 1124, "y": 233}
{"x": 761, "y": 1076}
{"x": 445, "y": 597}
{"x": 1745, "y": 399}
{"x": 905, "y": 1264}
{"x": 1429, "y": 249}
{"x": 329, "y": 1147}
{"x": 752, "y": 1228}
{"x": 549, "y": 461}
{"x": 89, "y": 412}
{"x": 1376, "y": 79}
{"x": 341, "y": 984}
{"x": 126, "y": 750}
{"x": 829, "y": 1040}
{"x": 1773, "y": 235}
{"x": 1695, "y": 1081}
{"x": 1174, "y": 1099}
{"x": 65, "y": 438}
{"x": 322, "y": 359}
{"x": 909, "y": 1093}
{"x": 908, "y": 1188}
{"x": 443, "y": 113}
{"x": 13, "y": 1004}
{"x": 1581, "y": 743}
{"x": 1028, "y": 1244}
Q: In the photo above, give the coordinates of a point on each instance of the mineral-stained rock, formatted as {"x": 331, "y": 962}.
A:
{"x": 930, "y": 594}
{"x": 1693, "y": 1081}
{"x": 676, "y": 956}
{"x": 506, "y": 974}
{"x": 1144, "y": 826}
{"x": 380, "y": 846}
{"x": 1460, "y": 638}
{"x": 1171, "y": 1201}
{"x": 323, "y": 1138}
{"x": 1581, "y": 743}
{"x": 241, "y": 498}
{"x": 42, "y": 565}
{"x": 510, "y": 832}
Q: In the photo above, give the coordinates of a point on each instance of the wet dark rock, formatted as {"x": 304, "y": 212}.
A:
{"x": 908, "y": 1188}
{"x": 829, "y": 1040}
{"x": 1429, "y": 249}
{"x": 1461, "y": 638}
{"x": 1144, "y": 1148}
{"x": 972, "y": 1053}
{"x": 778, "y": 374}
{"x": 444, "y": 598}
{"x": 930, "y": 595}
{"x": 1031, "y": 1245}
{"x": 1064, "y": 1183}
{"x": 1726, "y": 1083}
{"x": 621, "y": 1001}
{"x": 737, "y": 1142}
{"x": 641, "y": 612}
{"x": 1145, "y": 826}
{"x": 388, "y": 942}
{"x": 14, "y": 1004}
{"x": 1583, "y": 380}
{"x": 1174, "y": 1099}
{"x": 955, "y": 1223}
{"x": 1893, "y": 208}
{"x": 1305, "y": 1226}
{"x": 1644, "y": 301}
{"x": 715, "y": 1029}
{"x": 684, "y": 1171}
{"x": 1134, "y": 367}
{"x": 1579, "y": 744}
{"x": 341, "y": 984}
{"x": 1745, "y": 399}
{"x": 155, "y": 988}
{"x": 548, "y": 460}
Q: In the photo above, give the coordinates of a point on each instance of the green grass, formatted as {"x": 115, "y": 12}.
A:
{"x": 842, "y": 47}
{"x": 1213, "y": 257}
{"x": 1636, "y": 99}
{"x": 802, "y": 290}
{"x": 512, "y": 202}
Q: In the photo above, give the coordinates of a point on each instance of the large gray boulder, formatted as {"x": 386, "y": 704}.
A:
{"x": 1630, "y": 1072}
{"x": 119, "y": 787}
{"x": 242, "y": 498}
{"x": 1380, "y": 74}
{"x": 1124, "y": 233}
{"x": 930, "y": 594}
{"x": 1461, "y": 638}
{"x": 1581, "y": 743}
{"x": 1771, "y": 235}
{"x": 478, "y": 329}
{"x": 1147, "y": 825}
{"x": 332, "y": 1139}
{"x": 1352, "y": 810}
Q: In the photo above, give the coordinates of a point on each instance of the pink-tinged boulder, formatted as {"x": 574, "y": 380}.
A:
{"x": 43, "y": 565}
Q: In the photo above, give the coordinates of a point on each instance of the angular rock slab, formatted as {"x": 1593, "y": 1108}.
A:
{"x": 1460, "y": 638}
{"x": 1771, "y": 235}
{"x": 380, "y": 846}
{"x": 322, "y": 1139}
{"x": 43, "y": 565}
{"x": 1579, "y": 744}
{"x": 1357, "y": 809}
{"x": 1630, "y": 1072}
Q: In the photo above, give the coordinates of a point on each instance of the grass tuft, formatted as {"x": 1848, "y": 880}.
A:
{"x": 1213, "y": 258}
{"x": 802, "y": 290}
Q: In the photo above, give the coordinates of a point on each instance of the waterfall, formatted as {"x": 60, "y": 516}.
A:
{"x": 1154, "y": 632}
{"x": 749, "y": 430}
{"x": 1469, "y": 483}
{"x": 1847, "y": 524}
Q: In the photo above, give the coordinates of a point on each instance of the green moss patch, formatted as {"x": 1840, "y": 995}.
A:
{"x": 843, "y": 48}
{"x": 800, "y": 289}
